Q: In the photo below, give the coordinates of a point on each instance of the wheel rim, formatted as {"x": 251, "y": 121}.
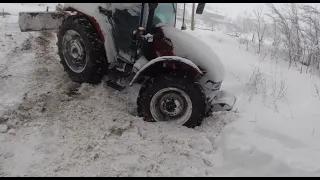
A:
{"x": 74, "y": 51}
{"x": 171, "y": 105}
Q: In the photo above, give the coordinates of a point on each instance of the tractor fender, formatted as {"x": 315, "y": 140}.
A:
{"x": 172, "y": 59}
{"x": 91, "y": 18}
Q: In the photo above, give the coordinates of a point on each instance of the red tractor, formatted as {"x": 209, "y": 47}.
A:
{"x": 181, "y": 75}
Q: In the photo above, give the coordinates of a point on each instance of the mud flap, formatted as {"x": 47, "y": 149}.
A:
{"x": 39, "y": 21}
{"x": 221, "y": 100}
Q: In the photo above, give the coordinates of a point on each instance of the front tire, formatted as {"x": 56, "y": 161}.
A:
{"x": 81, "y": 50}
{"x": 174, "y": 99}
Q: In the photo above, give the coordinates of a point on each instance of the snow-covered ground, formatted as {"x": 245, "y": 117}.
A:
{"x": 54, "y": 127}
{"x": 277, "y": 131}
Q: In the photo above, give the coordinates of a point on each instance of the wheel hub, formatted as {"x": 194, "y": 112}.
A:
{"x": 73, "y": 49}
{"x": 171, "y": 105}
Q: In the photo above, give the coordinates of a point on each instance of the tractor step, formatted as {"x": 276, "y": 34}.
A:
{"x": 116, "y": 85}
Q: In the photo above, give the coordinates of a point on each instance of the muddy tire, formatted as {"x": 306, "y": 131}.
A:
{"x": 172, "y": 98}
{"x": 81, "y": 50}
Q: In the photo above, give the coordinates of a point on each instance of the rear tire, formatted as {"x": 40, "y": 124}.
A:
{"x": 186, "y": 92}
{"x": 81, "y": 50}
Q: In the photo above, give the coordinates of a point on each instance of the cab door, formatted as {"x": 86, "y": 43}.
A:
{"x": 126, "y": 18}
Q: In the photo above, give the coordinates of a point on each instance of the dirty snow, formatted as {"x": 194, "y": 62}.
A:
{"x": 54, "y": 127}
{"x": 42, "y": 21}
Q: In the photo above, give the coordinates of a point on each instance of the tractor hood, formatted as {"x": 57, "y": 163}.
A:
{"x": 188, "y": 46}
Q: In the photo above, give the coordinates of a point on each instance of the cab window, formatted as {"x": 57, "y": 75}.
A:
{"x": 164, "y": 13}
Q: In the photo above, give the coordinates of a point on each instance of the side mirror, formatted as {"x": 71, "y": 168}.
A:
{"x": 183, "y": 27}
{"x": 200, "y": 8}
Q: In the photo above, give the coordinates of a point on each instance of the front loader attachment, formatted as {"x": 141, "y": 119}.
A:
{"x": 40, "y": 21}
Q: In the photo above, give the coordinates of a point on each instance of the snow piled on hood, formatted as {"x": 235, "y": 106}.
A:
{"x": 189, "y": 47}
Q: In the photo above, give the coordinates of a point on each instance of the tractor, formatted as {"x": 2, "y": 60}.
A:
{"x": 126, "y": 43}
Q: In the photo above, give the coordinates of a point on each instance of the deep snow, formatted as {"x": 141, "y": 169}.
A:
{"x": 66, "y": 129}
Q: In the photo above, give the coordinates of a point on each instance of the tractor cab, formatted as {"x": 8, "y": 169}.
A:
{"x": 134, "y": 26}
{"x": 131, "y": 22}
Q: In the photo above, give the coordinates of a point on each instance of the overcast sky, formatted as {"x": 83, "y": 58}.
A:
{"x": 232, "y": 9}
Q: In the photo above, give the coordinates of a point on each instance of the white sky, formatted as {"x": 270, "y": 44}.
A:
{"x": 232, "y": 9}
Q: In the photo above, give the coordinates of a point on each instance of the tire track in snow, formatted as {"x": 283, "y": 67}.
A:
{"x": 13, "y": 79}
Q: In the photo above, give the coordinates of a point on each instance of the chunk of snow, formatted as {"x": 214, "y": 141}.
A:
{"x": 12, "y": 131}
{"x": 3, "y": 128}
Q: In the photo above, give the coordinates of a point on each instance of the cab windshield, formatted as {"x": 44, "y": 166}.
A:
{"x": 165, "y": 13}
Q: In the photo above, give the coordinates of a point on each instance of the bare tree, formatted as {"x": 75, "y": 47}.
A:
{"x": 310, "y": 16}
{"x": 259, "y": 25}
{"x": 281, "y": 19}
{"x": 276, "y": 40}
{"x": 245, "y": 27}
{"x": 294, "y": 31}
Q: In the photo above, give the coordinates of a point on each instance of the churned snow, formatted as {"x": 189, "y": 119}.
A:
{"x": 54, "y": 127}
{"x": 42, "y": 21}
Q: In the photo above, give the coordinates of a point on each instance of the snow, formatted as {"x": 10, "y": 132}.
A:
{"x": 3, "y": 128}
{"x": 139, "y": 63}
{"x": 42, "y": 21}
{"x": 274, "y": 136}
{"x": 66, "y": 129}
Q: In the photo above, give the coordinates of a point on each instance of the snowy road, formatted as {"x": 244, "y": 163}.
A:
{"x": 60, "y": 128}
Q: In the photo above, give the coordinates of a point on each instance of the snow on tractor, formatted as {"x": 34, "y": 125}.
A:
{"x": 138, "y": 43}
